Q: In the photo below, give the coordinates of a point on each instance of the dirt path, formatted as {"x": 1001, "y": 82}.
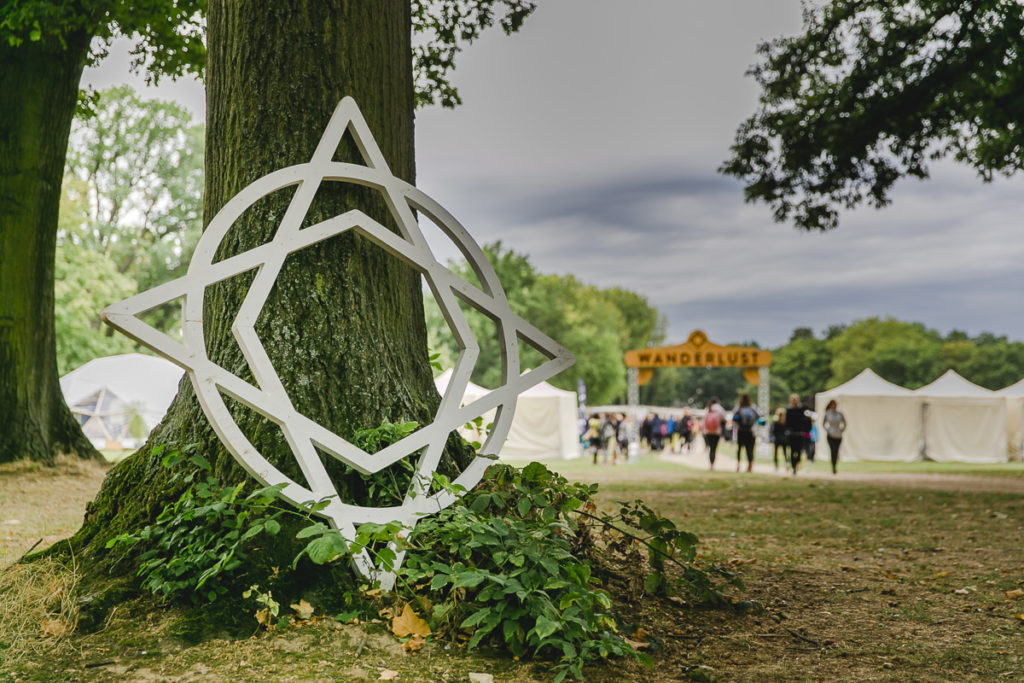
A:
{"x": 931, "y": 481}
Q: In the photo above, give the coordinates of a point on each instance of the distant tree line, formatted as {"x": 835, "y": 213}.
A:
{"x": 597, "y": 325}
{"x": 906, "y": 353}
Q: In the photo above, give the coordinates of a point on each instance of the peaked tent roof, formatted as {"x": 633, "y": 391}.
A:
{"x": 953, "y": 385}
{"x": 867, "y": 383}
{"x": 132, "y": 376}
{"x": 473, "y": 391}
{"x": 545, "y": 389}
{"x": 1013, "y": 391}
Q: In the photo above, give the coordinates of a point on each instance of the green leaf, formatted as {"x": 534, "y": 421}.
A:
{"x": 439, "y": 580}
{"x": 480, "y": 503}
{"x": 475, "y": 618}
{"x": 545, "y": 627}
{"x": 523, "y": 506}
{"x": 315, "y": 529}
{"x": 468, "y": 579}
{"x": 324, "y": 549}
{"x": 272, "y": 526}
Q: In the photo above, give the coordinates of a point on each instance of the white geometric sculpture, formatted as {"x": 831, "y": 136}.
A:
{"x": 303, "y": 435}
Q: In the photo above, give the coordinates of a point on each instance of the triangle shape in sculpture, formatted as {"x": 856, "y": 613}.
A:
{"x": 125, "y": 316}
{"x": 348, "y": 119}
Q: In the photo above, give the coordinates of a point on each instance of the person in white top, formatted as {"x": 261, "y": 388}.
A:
{"x": 835, "y": 425}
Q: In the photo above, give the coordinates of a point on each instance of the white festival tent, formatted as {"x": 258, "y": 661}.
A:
{"x": 119, "y": 399}
{"x": 1014, "y": 395}
{"x": 544, "y": 426}
{"x": 883, "y": 420}
{"x": 963, "y": 422}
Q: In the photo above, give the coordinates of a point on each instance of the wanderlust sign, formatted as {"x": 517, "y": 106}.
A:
{"x": 698, "y": 352}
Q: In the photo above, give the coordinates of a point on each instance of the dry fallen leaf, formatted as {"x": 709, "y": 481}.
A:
{"x": 642, "y": 634}
{"x": 636, "y": 645}
{"x": 303, "y": 610}
{"x": 1015, "y": 593}
{"x": 408, "y": 624}
{"x": 413, "y": 644}
{"x": 388, "y": 675}
{"x": 263, "y": 617}
{"x": 1019, "y": 617}
{"x": 54, "y": 627}
{"x": 962, "y": 591}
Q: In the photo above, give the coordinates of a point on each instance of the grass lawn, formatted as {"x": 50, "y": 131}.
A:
{"x": 879, "y": 573}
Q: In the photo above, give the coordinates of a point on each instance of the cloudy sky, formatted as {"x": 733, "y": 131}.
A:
{"x": 590, "y": 141}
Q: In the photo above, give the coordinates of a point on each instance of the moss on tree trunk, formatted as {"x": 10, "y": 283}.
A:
{"x": 38, "y": 92}
{"x": 344, "y": 325}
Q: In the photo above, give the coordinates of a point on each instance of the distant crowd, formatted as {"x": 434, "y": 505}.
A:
{"x": 793, "y": 430}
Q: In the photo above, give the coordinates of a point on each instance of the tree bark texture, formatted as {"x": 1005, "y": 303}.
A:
{"x": 38, "y": 93}
{"x": 344, "y": 324}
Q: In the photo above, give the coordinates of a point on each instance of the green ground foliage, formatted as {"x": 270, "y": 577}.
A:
{"x": 521, "y": 563}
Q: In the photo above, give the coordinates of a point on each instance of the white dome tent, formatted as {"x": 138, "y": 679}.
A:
{"x": 883, "y": 419}
{"x": 544, "y": 425}
{"x": 963, "y": 422}
{"x": 119, "y": 399}
{"x": 1014, "y": 395}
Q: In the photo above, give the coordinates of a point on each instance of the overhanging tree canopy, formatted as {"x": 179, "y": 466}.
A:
{"x": 873, "y": 90}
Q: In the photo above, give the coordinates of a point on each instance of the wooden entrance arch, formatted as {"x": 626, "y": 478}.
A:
{"x": 698, "y": 352}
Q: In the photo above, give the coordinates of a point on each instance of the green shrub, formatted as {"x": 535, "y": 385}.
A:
{"x": 519, "y": 562}
{"x": 198, "y": 540}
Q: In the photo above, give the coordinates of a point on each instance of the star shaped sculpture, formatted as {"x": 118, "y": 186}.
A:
{"x": 271, "y": 400}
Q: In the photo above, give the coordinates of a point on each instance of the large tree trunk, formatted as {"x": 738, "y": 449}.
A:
{"x": 38, "y": 93}
{"x": 344, "y": 324}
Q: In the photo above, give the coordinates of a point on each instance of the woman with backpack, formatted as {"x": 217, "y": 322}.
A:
{"x": 798, "y": 428}
{"x": 779, "y": 438}
{"x": 713, "y": 420}
{"x": 745, "y": 417}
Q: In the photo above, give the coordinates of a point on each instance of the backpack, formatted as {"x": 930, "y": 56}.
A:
{"x": 745, "y": 418}
{"x": 712, "y": 422}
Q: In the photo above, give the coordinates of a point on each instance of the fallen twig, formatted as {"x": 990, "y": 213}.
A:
{"x": 93, "y": 665}
{"x": 802, "y": 637}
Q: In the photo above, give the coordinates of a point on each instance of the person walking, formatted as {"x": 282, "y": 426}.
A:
{"x": 686, "y": 430}
{"x": 744, "y": 418}
{"x": 835, "y": 425}
{"x": 798, "y": 426}
{"x": 609, "y": 427}
{"x": 593, "y": 435}
{"x": 657, "y": 433}
{"x": 779, "y": 438}
{"x": 622, "y": 435}
{"x": 713, "y": 420}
